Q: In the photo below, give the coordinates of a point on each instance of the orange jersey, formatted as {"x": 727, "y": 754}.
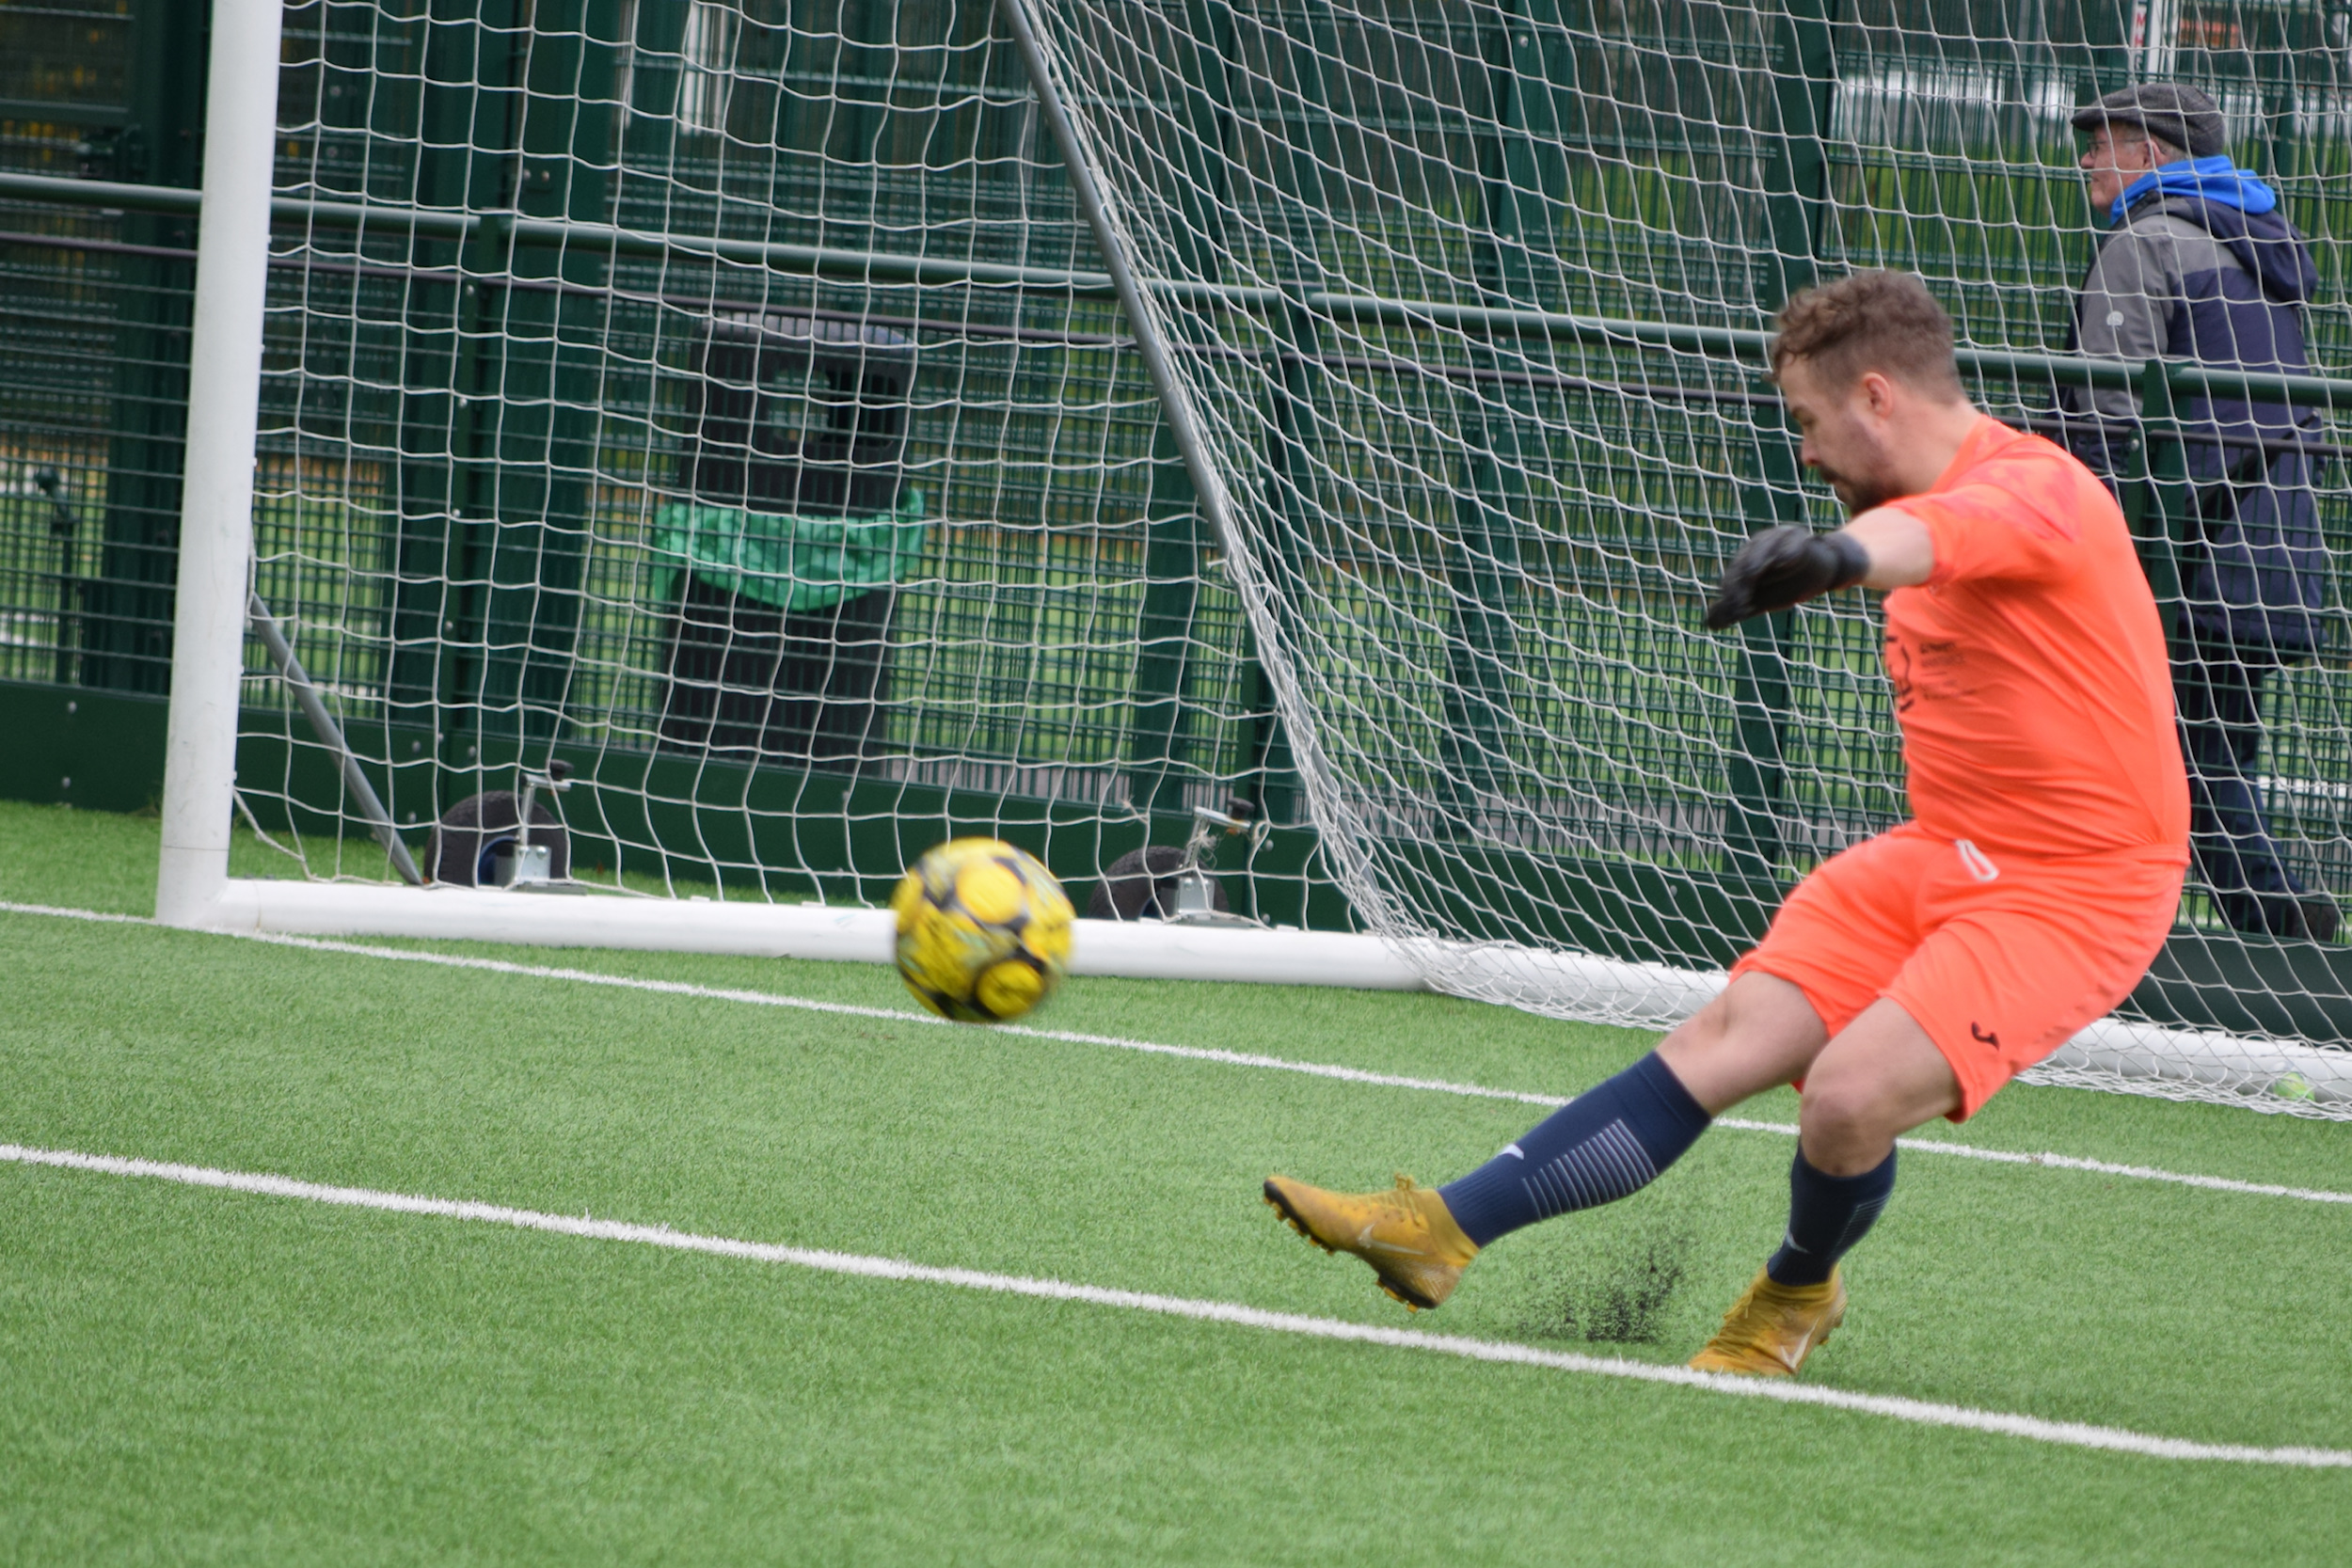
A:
{"x": 2030, "y": 676}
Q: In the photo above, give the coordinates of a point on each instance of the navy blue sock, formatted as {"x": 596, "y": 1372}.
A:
{"x": 1610, "y": 1140}
{"x": 1827, "y": 1215}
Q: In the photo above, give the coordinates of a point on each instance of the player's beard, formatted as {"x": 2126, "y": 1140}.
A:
{"x": 1862, "y": 490}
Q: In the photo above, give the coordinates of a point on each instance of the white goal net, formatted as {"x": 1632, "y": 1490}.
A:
{"x": 1468, "y": 302}
{"x": 724, "y": 404}
{"x": 725, "y": 401}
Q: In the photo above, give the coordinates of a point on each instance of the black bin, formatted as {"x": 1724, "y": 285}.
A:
{"x": 794, "y": 415}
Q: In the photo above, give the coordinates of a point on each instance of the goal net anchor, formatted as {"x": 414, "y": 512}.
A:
{"x": 1196, "y": 901}
{"x": 525, "y": 866}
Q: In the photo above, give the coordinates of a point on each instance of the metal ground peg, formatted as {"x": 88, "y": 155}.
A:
{"x": 534, "y": 865}
{"x": 1196, "y": 893}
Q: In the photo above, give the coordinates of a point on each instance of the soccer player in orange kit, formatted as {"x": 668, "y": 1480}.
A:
{"x": 1915, "y": 973}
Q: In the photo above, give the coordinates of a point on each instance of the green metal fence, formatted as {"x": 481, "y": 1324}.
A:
{"x": 502, "y": 224}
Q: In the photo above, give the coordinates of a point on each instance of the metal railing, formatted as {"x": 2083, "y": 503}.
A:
{"x": 2185, "y": 378}
{"x": 2155, "y": 492}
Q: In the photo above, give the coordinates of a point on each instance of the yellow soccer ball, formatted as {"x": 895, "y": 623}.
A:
{"x": 983, "y": 931}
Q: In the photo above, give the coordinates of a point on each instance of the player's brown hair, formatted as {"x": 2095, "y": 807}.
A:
{"x": 1870, "y": 321}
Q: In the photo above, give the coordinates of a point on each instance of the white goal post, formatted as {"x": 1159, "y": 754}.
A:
{"x": 216, "y": 492}
{"x": 1353, "y": 454}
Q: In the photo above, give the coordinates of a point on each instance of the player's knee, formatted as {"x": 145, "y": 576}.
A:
{"x": 1699, "y": 1034}
{"x": 1844, "y": 1119}
{"x": 1831, "y": 1109}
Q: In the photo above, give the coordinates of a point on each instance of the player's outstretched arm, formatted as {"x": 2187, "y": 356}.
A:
{"x": 1783, "y": 566}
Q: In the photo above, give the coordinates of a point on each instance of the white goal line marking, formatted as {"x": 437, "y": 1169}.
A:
{"x": 1920, "y": 1412}
{"x": 1189, "y": 1053}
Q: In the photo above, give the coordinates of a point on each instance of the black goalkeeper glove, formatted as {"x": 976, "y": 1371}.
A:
{"x": 1783, "y": 566}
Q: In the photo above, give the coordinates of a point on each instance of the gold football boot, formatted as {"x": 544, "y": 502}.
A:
{"x": 1406, "y": 1234}
{"x": 1771, "y": 1328}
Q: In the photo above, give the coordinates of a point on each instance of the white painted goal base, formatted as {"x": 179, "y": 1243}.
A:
{"x": 1137, "y": 950}
{"x": 2176, "y": 1062}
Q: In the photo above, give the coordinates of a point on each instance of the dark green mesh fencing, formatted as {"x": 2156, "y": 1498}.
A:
{"x": 1473, "y": 295}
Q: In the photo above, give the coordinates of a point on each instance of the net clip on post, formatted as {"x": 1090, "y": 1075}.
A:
{"x": 1196, "y": 893}
{"x": 530, "y": 868}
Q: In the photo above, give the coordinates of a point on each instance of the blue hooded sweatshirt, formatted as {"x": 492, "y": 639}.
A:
{"x": 2257, "y": 573}
{"x": 2239, "y": 211}
{"x": 2215, "y": 178}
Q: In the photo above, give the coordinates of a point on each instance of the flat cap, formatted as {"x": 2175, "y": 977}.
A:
{"x": 2181, "y": 114}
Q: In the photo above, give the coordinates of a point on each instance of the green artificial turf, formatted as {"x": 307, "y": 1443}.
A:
{"x": 198, "y": 1375}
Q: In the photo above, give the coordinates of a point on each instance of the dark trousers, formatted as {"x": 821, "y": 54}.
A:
{"x": 747, "y": 680}
{"x": 2219, "y": 692}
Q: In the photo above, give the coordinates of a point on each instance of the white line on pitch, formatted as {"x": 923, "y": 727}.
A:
{"x": 802, "y": 1004}
{"x": 1920, "y": 1412}
{"x": 1189, "y": 1053}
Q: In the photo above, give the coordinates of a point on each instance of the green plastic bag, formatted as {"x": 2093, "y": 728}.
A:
{"x": 794, "y": 563}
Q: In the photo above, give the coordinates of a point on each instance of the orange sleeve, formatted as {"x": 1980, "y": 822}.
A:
{"x": 1991, "y": 529}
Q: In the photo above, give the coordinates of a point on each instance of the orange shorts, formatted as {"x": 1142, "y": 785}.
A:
{"x": 2001, "y": 962}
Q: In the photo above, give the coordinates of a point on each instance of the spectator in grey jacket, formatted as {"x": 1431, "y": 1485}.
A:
{"x": 2202, "y": 264}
